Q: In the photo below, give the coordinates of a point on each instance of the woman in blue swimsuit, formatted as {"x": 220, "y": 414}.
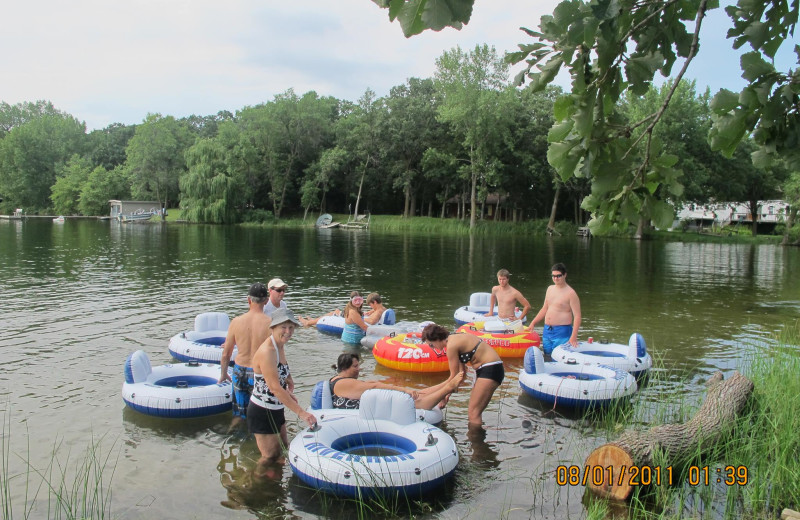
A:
{"x": 465, "y": 350}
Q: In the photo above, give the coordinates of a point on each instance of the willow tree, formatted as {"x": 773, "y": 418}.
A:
{"x": 209, "y": 192}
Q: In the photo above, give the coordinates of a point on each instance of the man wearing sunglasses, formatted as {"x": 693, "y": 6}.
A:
{"x": 277, "y": 289}
{"x": 561, "y": 312}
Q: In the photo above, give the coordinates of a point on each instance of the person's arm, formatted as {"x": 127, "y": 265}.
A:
{"x": 227, "y": 352}
{"x": 267, "y": 362}
{"x": 540, "y": 315}
{"x": 373, "y": 316}
{"x": 526, "y": 306}
{"x": 492, "y": 300}
{"x": 575, "y": 305}
{"x": 354, "y": 388}
{"x": 453, "y": 362}
{"x": 356, "y": 318}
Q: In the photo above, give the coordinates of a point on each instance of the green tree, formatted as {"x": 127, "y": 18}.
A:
{"x": 209, "y": 192}
{"x": 106, "y": 147}
{"x": 101, "y": 186}
{"x": 470, "y": 84}
{"x": 320, "y": 176}
{"x": 406, "y": 132}
{"x": 155, "y": 158}
{"x": 610, "y": 47}
{"x": 30, "y": 155}
{"x": 70, "y": 178}
{"x": 12, "y": 116}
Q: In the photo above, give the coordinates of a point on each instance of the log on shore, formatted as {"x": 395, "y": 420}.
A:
{"x": 676, "y": 442}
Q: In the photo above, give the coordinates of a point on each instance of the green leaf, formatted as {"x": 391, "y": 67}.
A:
{"x": 560, "y": 131}
{"x": 754, "y": 66}
{"x": 724, "y": 101}
{"x": 562, "y": 107}
{"x": 761, "y": 159}
{"x": 663, "y": 214}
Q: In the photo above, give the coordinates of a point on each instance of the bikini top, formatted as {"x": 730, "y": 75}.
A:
{"x": 340, "y": 402}
{"x": 466, "y": 357}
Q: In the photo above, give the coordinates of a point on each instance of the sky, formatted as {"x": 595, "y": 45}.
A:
{"x": 109, "y": 61}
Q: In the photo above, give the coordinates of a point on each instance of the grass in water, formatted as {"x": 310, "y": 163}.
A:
{"x": 75, "y": 489}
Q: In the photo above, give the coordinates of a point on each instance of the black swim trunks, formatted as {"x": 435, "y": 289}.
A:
{"x": 263, "y": 420}
{"x": 493, "y": 371}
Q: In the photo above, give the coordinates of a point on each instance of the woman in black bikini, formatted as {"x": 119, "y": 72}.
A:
{"x": 465, "y": 350}
{"x": 346, "y": 388}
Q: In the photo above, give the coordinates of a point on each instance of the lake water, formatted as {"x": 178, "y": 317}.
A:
{"x": 78, "y": 297}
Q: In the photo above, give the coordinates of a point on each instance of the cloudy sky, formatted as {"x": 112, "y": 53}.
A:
{"x": 106, "y": 61}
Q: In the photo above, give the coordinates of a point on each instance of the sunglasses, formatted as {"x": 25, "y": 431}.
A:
{"x": 558, "y": 276}
{"x": 282, "y": 289}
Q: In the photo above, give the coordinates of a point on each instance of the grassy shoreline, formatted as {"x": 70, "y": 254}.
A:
{"x": 451, "y": 226}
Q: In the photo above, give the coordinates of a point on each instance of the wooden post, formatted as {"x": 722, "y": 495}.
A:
{"x": 636, "y": 449}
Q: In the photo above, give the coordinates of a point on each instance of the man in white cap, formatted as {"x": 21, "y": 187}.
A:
{"x": 277, "y": 288}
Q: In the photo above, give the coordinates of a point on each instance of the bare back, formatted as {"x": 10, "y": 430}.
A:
{"x": 562, "y": 305}
{"x": 248, "y": 332}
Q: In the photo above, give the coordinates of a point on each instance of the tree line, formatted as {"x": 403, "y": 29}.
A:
{"x": 457, "y": 138}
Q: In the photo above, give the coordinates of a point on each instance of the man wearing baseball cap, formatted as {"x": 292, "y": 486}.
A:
{"x": 277, "y": 288}
{"x": 246, "y": 332}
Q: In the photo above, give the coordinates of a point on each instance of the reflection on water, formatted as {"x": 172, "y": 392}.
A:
{"x": 80, "y": 297}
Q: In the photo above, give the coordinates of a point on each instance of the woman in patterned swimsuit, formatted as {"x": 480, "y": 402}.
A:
{"x": 272, "y": 390}
{"x": 346, "y": 388}
{"x": 463, "y": 350}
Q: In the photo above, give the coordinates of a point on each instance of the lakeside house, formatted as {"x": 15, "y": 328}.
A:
{"x": 722, "y": 214}
{"x": 133, "y": 207}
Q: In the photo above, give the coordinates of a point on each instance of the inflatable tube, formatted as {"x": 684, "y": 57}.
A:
{"x": 335, "y": 324}
{"x": 204, "y": 343}
{"x": 376, "y": 332}
{"x": 632, "y": 357}
{"x": 507, "y": 337}
{"x": 175, "y": 391}
{"x": 322, "y": 406}
{"x": 477, "y": 309}
{"x": 407, "y": 352}
{"x": 381, "y": 451}
{"x": 573, "y": 385}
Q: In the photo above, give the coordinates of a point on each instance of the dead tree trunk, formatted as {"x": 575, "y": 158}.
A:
{"x": 677, "y": 442}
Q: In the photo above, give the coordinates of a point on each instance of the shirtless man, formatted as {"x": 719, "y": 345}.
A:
{"x": 246, "y": 332}
{"x": 506, "y": 298}
{"x": 561, "y": 312}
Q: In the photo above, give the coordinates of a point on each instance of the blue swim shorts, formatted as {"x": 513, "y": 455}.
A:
{"x": 555, "y": 335}
{"x": 242, "y": 379}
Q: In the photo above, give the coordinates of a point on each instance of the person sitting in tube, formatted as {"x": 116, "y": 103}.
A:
{"x": 346, "y": 388}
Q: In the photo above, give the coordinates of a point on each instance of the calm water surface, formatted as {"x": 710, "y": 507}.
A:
{"x": 78, "y": 297}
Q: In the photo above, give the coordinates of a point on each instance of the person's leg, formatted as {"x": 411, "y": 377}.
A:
{"x": 479, "y": 399}
{"x": 430, "y": 397}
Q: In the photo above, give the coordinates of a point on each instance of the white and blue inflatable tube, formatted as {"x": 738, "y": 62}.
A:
{"x": 383, "y": 450}
{"x": 376, "y": 332}
{"x": 477, "y": 308}
{"x": 174, "y": 391}
{"x": 632, "y": 357}
{"x": 576, "y": 386}
{"x": 204, "y": 343}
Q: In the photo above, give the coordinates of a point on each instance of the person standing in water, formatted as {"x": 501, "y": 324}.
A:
{"x": 506, "y": 298}
{"x": 561, "y": 312}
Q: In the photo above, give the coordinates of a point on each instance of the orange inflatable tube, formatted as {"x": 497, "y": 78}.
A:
{"x": 508, "y": 344}
{"x": 409, "y": 353}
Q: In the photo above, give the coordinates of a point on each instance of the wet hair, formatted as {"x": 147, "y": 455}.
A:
{"x": 345, "y": 361}
{"x": 434, "y": 332}
{"x": 561, "y": 268}
{"x": 504, "y": 273}
{"x": 373, "y": 297}
{"x": 351, "y": 306}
